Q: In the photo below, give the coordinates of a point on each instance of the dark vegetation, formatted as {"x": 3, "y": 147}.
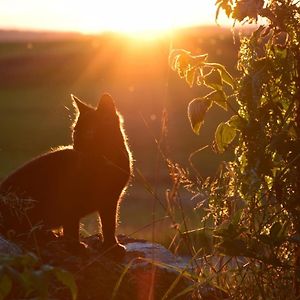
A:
{"x": 250, "y": 209}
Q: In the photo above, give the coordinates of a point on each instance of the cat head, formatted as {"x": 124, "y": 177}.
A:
{"x": 96, "y": 130}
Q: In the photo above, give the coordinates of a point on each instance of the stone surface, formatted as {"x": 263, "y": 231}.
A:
{"x": 147, "y": 271}
{"x": 9, "y": 248}
{"x": 153, "y": 253}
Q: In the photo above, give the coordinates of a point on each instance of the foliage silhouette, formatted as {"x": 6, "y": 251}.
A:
{"x": 253, "y": 203}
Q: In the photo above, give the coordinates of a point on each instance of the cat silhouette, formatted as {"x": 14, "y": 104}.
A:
{"x": 60, "y": 187}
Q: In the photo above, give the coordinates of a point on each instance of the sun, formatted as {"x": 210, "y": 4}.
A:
{"x": 140, "y": 16}
{"x": 95, "y": 16}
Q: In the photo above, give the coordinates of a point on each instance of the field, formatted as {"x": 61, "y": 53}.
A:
{"x": 37, "y": 76}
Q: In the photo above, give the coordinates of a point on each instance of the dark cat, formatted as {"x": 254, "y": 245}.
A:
{"x": 72, "y": 182}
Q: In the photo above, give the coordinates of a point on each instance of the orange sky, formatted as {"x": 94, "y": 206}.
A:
{"x": 129, "y": 16}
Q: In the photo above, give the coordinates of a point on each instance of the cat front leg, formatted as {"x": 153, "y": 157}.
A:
{"x": 108, "y": 215}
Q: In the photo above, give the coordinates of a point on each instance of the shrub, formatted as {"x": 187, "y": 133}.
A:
{"x": 251, "y": 208}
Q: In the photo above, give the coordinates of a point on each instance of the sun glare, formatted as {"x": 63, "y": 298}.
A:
{"x": 137, "y": 16}
{"x": 92, "y": 16}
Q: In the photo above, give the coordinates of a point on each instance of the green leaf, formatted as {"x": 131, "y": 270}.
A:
{"x": 224, "y": 135}
{"x": 5, "y": 286}
{"x": 40, "y": 283}
{"x": 274, "y": 231}
{"x": 237, "y": 216}
{"x": 174, "y": 57}
{"x": 67, "y": 279}
{"x": 186, "y": 65}
{"x": 199, "y": 60}
{"x": 27, "y": 260}
{"x": 236, "y": 122}
{"x": 29, "y": 281}
{"x": 196, "y": 112}
{"x": 213, "y": 79}
{"x": 280, "y": 51}
{"x": 200, "y": 77}
{"x": 182, "y": 64}
{"x": 219, "y": 98}
{"x": 190, "y": 77}
{"x": 225, "y": 75}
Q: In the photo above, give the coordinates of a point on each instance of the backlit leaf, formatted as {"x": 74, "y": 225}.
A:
{"x": 67, "y": 279}
{"x": 190, "y": 77}
{"x": 237, "y": 216}
{"x": 186, "y": 65}
{"x": 219, "y": 98}
{"x": 214, "y": 80}
{"x": 225, "y": 75}
{"x": 196, "y": 112}
{"x": 183, "y": 65}
{"x": 199, "y": 60}
{"x": 174, "y": 57}
{"x": 224, "y": 135}
{"x": 236, "y": 122}
{"x": 280, "y": 51}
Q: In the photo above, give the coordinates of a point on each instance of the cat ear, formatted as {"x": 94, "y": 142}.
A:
{"x": 82, "y": 107}
{"x": 106, "y": 103}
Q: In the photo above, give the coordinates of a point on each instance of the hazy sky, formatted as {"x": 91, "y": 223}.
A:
{"x": 94, "y": 16}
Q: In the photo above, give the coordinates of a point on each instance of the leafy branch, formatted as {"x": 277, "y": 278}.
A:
{"x": 253, "y": 204}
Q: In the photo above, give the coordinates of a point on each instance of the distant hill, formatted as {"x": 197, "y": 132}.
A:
{"x": 186, "y": 33}
{"x": 20, "y": 35}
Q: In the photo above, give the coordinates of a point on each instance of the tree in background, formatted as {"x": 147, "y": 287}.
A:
{"x": 251, "y": 209}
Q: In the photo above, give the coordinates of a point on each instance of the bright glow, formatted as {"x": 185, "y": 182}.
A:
{"x": 127, "y": 16}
